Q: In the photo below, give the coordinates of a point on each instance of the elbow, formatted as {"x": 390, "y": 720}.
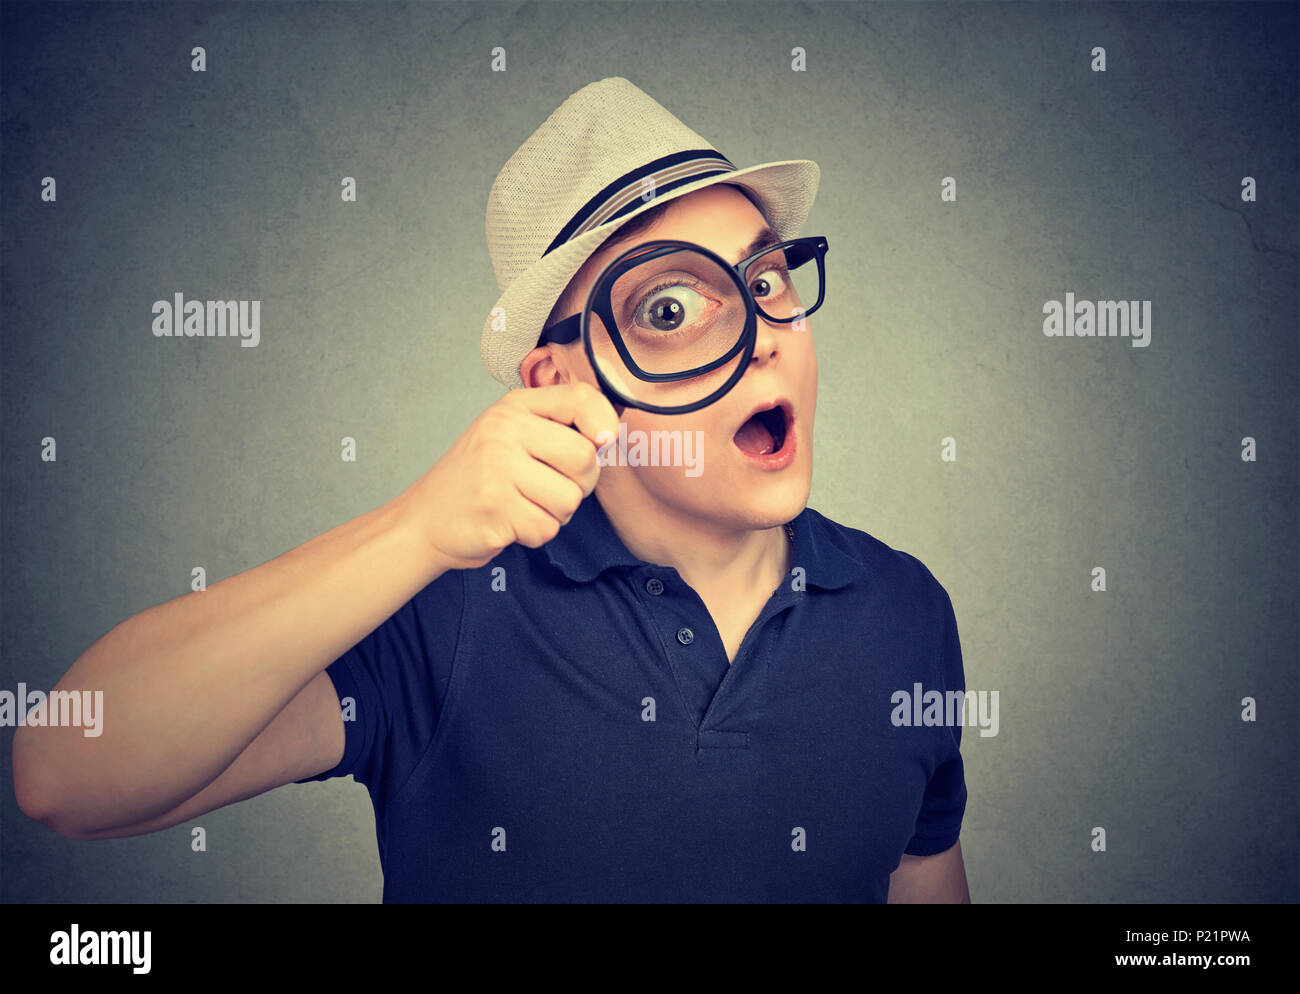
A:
{"x": 34, "y": 796}
{"x": 39, "y": 808}
{"x": 33, "y": 802}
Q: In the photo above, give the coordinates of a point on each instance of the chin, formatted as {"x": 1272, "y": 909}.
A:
{"x": 779, "y": 503}
{"x": 775, "y": 501}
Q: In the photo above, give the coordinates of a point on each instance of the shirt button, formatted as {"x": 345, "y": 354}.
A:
{"x": 685, "y": 636}
{"x": 654, "y": 586}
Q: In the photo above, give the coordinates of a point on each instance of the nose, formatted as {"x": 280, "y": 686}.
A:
{"x": 767, "y": 344}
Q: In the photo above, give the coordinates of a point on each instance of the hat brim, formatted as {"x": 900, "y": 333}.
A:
{"x": 785, "y": 191}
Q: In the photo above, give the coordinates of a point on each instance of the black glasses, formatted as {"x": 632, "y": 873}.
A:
{"x": 670, "y": 327}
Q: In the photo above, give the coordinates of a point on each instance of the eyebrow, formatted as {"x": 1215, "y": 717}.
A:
{"x": 761, "y": 241}
{"x": 765, "y": 237}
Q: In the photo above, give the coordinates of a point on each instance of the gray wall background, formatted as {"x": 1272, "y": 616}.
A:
{"x": 1119, "y": 709}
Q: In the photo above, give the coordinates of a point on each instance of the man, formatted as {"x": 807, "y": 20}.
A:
{"x": 562, "y": 680}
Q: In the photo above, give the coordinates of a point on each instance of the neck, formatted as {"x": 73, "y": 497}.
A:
{"x": 711, "y": 558}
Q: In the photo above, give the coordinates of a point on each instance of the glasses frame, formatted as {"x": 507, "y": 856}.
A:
{"x": 598, "y": 302}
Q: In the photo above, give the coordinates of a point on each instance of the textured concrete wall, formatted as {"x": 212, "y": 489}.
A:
{"x": 1119, "y": 709}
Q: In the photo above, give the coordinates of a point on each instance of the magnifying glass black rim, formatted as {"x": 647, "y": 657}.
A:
{"x": 748, "y": 334}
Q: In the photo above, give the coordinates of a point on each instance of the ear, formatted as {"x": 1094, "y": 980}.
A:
{"x": 538, "y": 368}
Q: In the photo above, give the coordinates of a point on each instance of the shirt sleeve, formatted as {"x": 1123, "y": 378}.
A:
{"x": 392, "y": 686}
{"x": 939, "y": 822}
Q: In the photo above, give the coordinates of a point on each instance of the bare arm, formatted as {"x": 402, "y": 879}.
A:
{"x": 220, "y": 695}
{"x": 190, "y": 684}
{"x": 304, "y": 739}
{"x": 937, "y": 879}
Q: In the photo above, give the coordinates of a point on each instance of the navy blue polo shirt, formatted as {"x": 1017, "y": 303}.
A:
{"x": 562, "y": 725}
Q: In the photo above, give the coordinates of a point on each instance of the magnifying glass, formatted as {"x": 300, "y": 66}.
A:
{"x": 669, "y": 326}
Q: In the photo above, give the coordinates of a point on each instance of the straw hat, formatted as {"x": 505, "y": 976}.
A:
{"x": 580, "y": 176}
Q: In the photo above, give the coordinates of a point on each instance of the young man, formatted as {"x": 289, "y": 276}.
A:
{"x": 562, "y": 680}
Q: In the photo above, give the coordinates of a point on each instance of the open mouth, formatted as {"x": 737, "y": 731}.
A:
{"x": 765, "y": 432}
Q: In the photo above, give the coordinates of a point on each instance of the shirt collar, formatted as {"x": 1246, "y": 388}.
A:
{"x": 588, "y": 545}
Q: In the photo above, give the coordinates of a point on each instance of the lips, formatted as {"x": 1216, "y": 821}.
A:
{"x": 767, "y": 428}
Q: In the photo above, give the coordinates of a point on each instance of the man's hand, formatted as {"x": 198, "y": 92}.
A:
{"x": 517, "y": 474}
{"x": 937, "y": 879}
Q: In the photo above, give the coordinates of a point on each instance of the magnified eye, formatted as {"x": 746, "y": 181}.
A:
{"x": 671, "y": 308}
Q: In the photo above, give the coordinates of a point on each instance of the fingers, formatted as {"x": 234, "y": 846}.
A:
{"x": 532, "y": 525}
{"x": 550, "y": 492}
{"x": 577, "y": 404}
{"x": 526, "y": 449}
{"x": 566, "y": 451}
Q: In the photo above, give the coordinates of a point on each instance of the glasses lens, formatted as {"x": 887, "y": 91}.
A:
{"x": 679, "y": 317}
{"x": 786, "y": 282}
